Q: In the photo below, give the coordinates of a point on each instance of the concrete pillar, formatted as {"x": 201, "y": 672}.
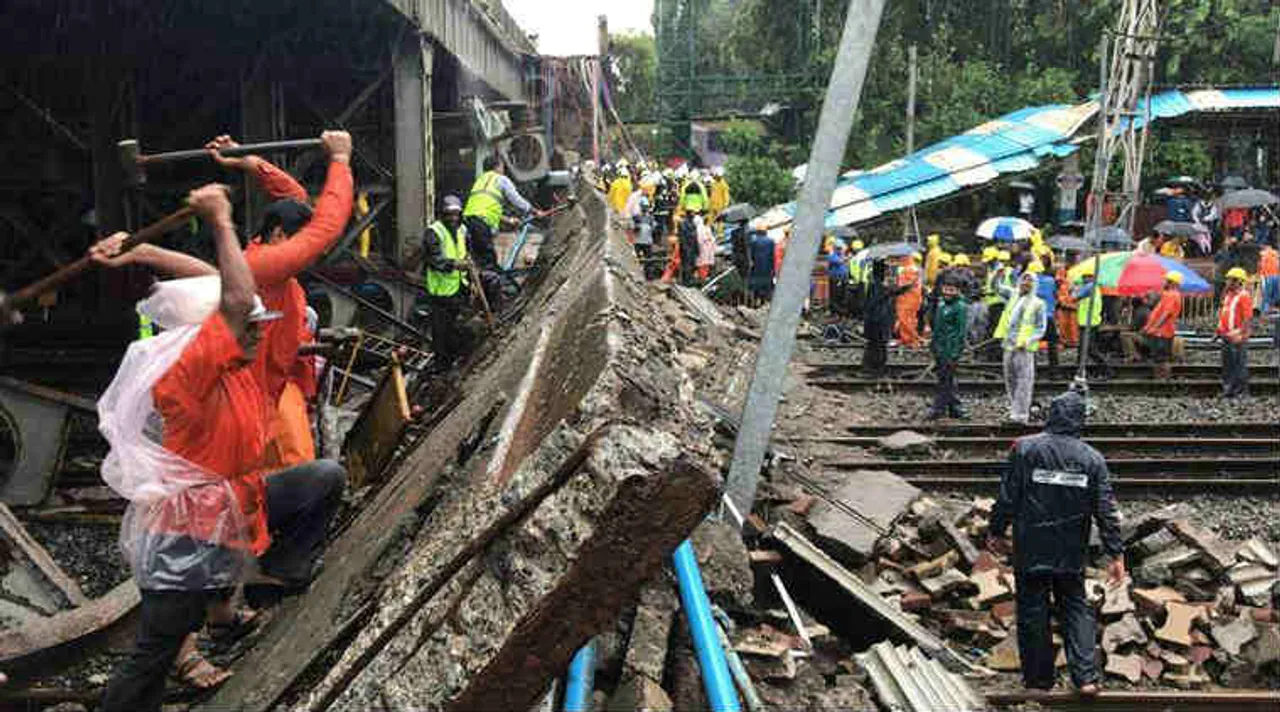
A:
{"x": 415, "y": 155}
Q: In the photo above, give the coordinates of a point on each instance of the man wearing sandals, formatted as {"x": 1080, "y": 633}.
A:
{"x": 214, "y": 416}
{"x": 219, "y": 404}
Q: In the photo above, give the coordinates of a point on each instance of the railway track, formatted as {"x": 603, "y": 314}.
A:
{"x": 1218, "y": 429}
{"x": 1173, "y": 474}
{"x": 1124, "y": 371}
{"x": 1109, "y": 446}
{"x": 1177, "y": 457}
{"x": 1197, "y": 387}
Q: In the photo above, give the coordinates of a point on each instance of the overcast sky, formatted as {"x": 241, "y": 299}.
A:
{"x": 566, "y": 27}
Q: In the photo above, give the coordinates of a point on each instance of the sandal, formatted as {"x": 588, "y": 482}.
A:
{"x": 241, "y": 624}
{"x": 196, "y": 672}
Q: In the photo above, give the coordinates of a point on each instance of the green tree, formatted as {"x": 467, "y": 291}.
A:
{"x": 635, "y": 65}
{"x": 758, "y": 180}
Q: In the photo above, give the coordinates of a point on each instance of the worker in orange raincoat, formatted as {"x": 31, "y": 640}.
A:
{"x": 1065, "y": 310}
{"x": 908, "y": 303}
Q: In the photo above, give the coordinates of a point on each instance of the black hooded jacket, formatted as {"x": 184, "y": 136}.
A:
{"x": 1054, "y": 487}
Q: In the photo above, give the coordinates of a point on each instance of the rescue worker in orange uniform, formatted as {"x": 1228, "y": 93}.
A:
{"x": 1163, "y": 323}
{"x": 1065, "y": 311}
{"x": 908, "y": 303}
{"x": 1233, "y": 328}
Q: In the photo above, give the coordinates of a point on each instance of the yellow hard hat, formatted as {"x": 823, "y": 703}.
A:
{"x": 1173, "y": 276}
{"x": 989, "y": 254}
{"x": 857, "y": 245}
{"x": 1238, "y": 273}
{"x": 1004, "y": 256}
{"x": 944, "y": 258}
{"x": 961, "y": 261}
{"x": 1034, "y": 267}
{"x": 934, "y": 238}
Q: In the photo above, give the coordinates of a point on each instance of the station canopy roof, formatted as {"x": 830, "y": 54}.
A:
{"x": 1011, "y": 144}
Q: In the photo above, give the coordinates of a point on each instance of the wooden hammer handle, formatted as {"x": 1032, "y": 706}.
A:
{"x": 69, "y": 272}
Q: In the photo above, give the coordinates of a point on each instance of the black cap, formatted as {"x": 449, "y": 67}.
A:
{"x": 291, "y": 215}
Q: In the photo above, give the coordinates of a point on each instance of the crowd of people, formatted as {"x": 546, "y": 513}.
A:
{"x": 1017, "y": 298}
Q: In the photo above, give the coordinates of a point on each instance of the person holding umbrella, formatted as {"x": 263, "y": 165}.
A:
{"x": 1233, "y": 328}
{"x": 1162, "y": 324}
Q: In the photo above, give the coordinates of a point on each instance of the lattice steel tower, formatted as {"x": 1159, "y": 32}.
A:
{"x": 1127, "y": 62}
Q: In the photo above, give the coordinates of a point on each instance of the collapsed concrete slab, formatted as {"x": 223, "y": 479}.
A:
{"x": 470, "y": 578}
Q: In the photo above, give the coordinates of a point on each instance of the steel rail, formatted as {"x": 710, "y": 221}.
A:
{"x": 1125, "y": 370}
{"x": 1134, "y": 444}
{"x": 1143, "y": 700}
{"x": 1189, "y": 484}
{"x": 1268, "y": 467}
{"x": 1129, "y": 386}
{"x": 1252, "y": 428}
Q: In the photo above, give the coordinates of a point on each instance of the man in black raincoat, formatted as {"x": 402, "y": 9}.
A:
{"x": 1052, "y": 491}
{"x": 877, "y": 320}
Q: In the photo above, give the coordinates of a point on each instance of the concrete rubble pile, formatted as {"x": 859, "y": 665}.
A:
{"x": 1196, "y": 610}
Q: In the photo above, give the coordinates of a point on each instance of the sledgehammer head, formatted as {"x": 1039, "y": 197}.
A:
{"x": 133, "y": 172}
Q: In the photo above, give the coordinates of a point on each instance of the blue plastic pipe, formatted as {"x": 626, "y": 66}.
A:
{"x": 581, "y": 682}
{"x": 706, "y": 639}
{"x": 512, "y": 256}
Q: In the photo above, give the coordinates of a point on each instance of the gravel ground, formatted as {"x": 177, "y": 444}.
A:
{"x": 89, "y": 553}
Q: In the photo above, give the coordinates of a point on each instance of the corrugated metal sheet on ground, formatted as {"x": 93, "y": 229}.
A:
{"x": 1014, "y": 143}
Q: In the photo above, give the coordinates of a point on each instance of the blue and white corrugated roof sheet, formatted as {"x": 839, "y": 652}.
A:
{"x": 1013, "y": 143}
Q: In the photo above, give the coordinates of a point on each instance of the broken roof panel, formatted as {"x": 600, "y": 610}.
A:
{"x": 1013, "y": 143}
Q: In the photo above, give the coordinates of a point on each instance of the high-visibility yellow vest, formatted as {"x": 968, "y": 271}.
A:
{"x": 146, "y": 328}
{"x": 485, "y": 200}
{"x": 447, "y": 284}
{"x": 1091, "y": 303}
{"x": 1031, "y": 315}
{"x": 693, "y": 197}
{"x": 991, "y": 288}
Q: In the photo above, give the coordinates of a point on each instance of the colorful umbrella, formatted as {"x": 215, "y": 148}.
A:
{"x": 1006, "y": 229}
{"x": 1130, "y": 274}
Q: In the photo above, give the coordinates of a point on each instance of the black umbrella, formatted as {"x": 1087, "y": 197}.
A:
{"x": 739, "y": 212}
{"x": 1251, "y": 198}
{"x": 1068, "y": 243}
{"x": 1233, "y": 183}
{"x": 891, "y": 249}
{"x": 1179, "y": 229}
{"x": 1109, "y": 236}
